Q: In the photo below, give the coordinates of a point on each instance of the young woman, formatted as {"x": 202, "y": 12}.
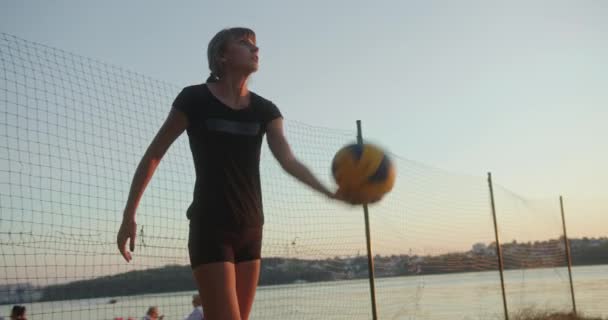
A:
{"x": 226, "y": 124}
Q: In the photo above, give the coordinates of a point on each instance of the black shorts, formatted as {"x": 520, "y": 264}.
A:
{"x": 209, "y": 245}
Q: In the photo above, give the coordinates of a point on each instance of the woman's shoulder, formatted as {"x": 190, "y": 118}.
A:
{"x": 266, "y": 107}
{"x": 260, "y": 100}
{"x": 195, "y": 93}
{"x": 196, "y": 88}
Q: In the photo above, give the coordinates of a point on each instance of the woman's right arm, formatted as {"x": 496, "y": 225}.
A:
{"x": 172, "y": 128}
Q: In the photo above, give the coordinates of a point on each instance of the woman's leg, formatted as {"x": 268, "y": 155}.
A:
{"x": 247, "y": 275}
{"x": 216, "y": 284}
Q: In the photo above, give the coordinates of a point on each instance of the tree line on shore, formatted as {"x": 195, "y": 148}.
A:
{"x": 279, "y": 270}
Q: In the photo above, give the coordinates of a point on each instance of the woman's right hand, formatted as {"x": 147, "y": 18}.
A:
{"x": 174, "y": 125}
{"x": 127, "y": 231}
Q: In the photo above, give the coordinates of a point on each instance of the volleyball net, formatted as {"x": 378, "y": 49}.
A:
{"x": 73, "y": 131}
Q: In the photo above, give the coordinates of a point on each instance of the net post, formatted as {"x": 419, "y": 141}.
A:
{"x": 370, "y": 257}
{"x": 568, "y": 254}
{"x": 498, "y": 249}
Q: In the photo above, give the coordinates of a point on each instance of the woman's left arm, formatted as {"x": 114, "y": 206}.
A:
{"x": 282, "y": 152}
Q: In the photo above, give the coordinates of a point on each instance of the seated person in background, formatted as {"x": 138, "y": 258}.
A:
{"x": 197, "y": 313}
{"x": 18, "y": 313}
{"x": 153, "y": 314}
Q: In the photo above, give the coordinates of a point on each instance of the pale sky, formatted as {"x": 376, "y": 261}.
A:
{"x": 516, "y": 88}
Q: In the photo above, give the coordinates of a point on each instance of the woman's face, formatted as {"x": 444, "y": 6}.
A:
{"x": 241, "y": 55}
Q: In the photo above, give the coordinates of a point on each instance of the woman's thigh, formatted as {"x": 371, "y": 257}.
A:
{"x": 216, "y": 284}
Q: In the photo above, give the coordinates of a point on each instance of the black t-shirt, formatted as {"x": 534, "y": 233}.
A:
{"x": 225, "y": 145}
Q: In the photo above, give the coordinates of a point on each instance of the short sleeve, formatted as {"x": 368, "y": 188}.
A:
{"x": 184, "y": 102}
{"x": 272, "y": 112}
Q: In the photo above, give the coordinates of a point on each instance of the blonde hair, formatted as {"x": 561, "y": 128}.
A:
{"x": 217, "y": 47}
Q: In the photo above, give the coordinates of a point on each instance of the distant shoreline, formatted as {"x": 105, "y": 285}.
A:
{"x": 280, "y": 271}
{"x": 119, "y": 299}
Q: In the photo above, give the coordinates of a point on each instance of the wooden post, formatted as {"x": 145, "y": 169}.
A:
{"x": 498, "y": 249}
{"x": 370, "y": 257}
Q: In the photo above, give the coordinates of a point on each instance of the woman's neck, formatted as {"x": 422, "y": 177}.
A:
{"x": 233, "y": 88}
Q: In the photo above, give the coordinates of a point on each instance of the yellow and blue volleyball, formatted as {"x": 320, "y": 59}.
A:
{"x": 363, "y": 170}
